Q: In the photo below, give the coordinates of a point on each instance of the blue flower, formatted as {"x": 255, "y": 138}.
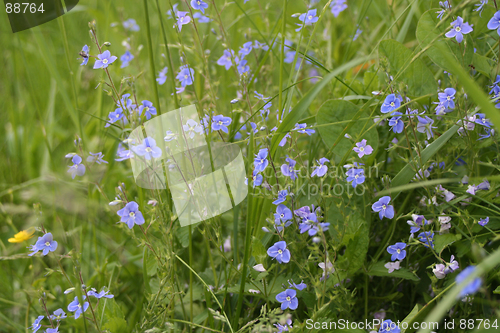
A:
{"x": 131, "y": 214}
{"x": 36, "y": 324}
{"x": 459, "y": 29}
{"x": 256, "y": 178}
{"x": 58, "y": 315}
{"x": 148, "y": 108}
{"x": 131, "y": 25}
{"x": 279, "y": 252}
{"x": 397, "y": 251}
{"x": 483, "y": 222}
{"x": 388, "y": 326}
{"x": 447, "y": 97}
{"x": 100, "y": 294}
{"x": 383, "y": 208}
{"x": 427, "y": 237}
{"x": 310, "y": 223}
{"x": 105, "y": 59}
{"x": 283, "y": 214}
{"x": 288, "y": 299}
{"x": 494, "y": 23}
{"x": 288, "y": 169}
{"x": 226, "y": 60}
{"x": 362, "y": 148}
{"x": 482, "y": 120}
{"x": 123, "y": 154}
{"x": 260, "y": 162}
{"x": 77, "y": 308}
{"x": 307, "y": 18}
{"x": 472, "y": 287}
{"x": 338, "y": 6}
{"x": 356, "y": 176}
{"x": 85, "y": 55}
{"x": 243, "y": 68}
{"x": 285, "y": 327}
{"x": 114, "y": 116}
{"x": 302, "y": 129}
{"x": 300, "y": 286}
{"x": 162, "y": 76}
{"x": 281, "y": 197}
{"x": 185, "y": 76}
{"x": 182, "y": 19}
{"x": 77, "y": 168}
{"x": 425, "y": 126}
{"x": 480, "y": 6}
{"x": 245, "y": 49}
{"x": 417, "y": 223}
{"x": 220, "y": 123}
{"x": 96, "y": 157}
{"x": 391, "y": 103}
{"x": 201, "y": 18}
{"x": 259, "y": 45}
{"x": 191, "y": 128}
{"x": 147, "y": 149}
{"x": 283, "y": 141}
{"x": 321, "y": 169}
{"x": 199, "y": 5}
{"x": 126, "y": 58}
{"x": 396, "y": 122}
{"x": 52, "y": 330}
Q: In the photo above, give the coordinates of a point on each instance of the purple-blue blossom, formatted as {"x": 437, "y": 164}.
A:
{"x": 282, "y": 195}
{"x": 37, "y": 324}
{"x": 494, "y": 23}
{"x": 199, "y": 5}
{"x": 396, "y": 122}
{"x": 77, "y": 308}
{"x": 260, "y": 162}
{"x": 104, "y": 60}
{"x": 85, "y": 55}
{"x": 307, "y": 19}
{"x": 131, "y": 215}
{"x": 148, "y": 149}
{"x": 126, "y": 58}
{"x": 447, "y": 98}
{"x": 397, "y": 251}
{"x": 288, "y": 299}
{"x": 77, "y": 169}
{"x": 473, "y": 286}
{"x": 162, "y": 76}
{"x": 383, "y": 208}
{"x": 182, "y": 19}
{"x": 427, "y": 237}
{"x": 58, "y": 315}
{"x": 425, "y": 126}
{"x": 483, "y": 222}
{"x": 338, "y": 6}
{"x": 131, "y": 25}
{"x": 148, "y": 109}
{"x": 227, "y": 59}
{"x": 220, "y": 123}
{"x": 356, "y": 176}
{"x": 279, "y": 252}
{"x": 362, "y": 148}
{"x": 459, "y": 29}
{"x": 391, "y": 103}
{"x": 321, "y": 169}
{"x": 245, "y": 49}
{"x": 288, "y": 168}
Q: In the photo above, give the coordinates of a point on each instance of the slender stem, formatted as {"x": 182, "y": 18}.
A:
{"x": 151, "y": 58}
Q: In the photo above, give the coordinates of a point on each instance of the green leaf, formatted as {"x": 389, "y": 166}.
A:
{"x": 411, "y": 316}
{"x": 442, "y": 241}
{"x": 413, "y": 73}
{"x": 151, "y": 265}
{"x": 483, "y": 64}
{"x": 116, "y": 325}
{"x": 429, "y": 29}
{"x": 333, "y": 116}
{"x": 408, "y": 172}
{"x": 258, "y": 250}
{"x": 379, "y": 269}
{"x": 298, "y": 111}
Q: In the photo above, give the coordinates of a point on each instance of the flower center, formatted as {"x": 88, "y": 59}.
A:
{"x": 131, "y": 214}
{"x": 220, "y": 122}
{"x": 280, "y": 252}
{"x": 398, "y": 251}
{"x": 458, "y": 29}
{"x": 262, "y": 161}
{"x": 384, "y": 207}
{"x": 185, "y": 76}
{"x": 288, "y": 298}
{"x": 310, "y": 17}
{"x": 47, "y": 243}
{"x": 105, "y": 61}
{"x": 148, "y": 149}
{"x": 392, "y": 104}
{"x": 146, "y": 109}
{"x": 361, "y": 149}
{"x": 448, "y": 97}
{"x": 356, "y": 176}
{"x": 282, "y": 215}
{"x": 182, "y": 19}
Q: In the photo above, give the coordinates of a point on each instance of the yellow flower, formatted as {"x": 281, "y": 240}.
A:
{"x": 21, "y": 236}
